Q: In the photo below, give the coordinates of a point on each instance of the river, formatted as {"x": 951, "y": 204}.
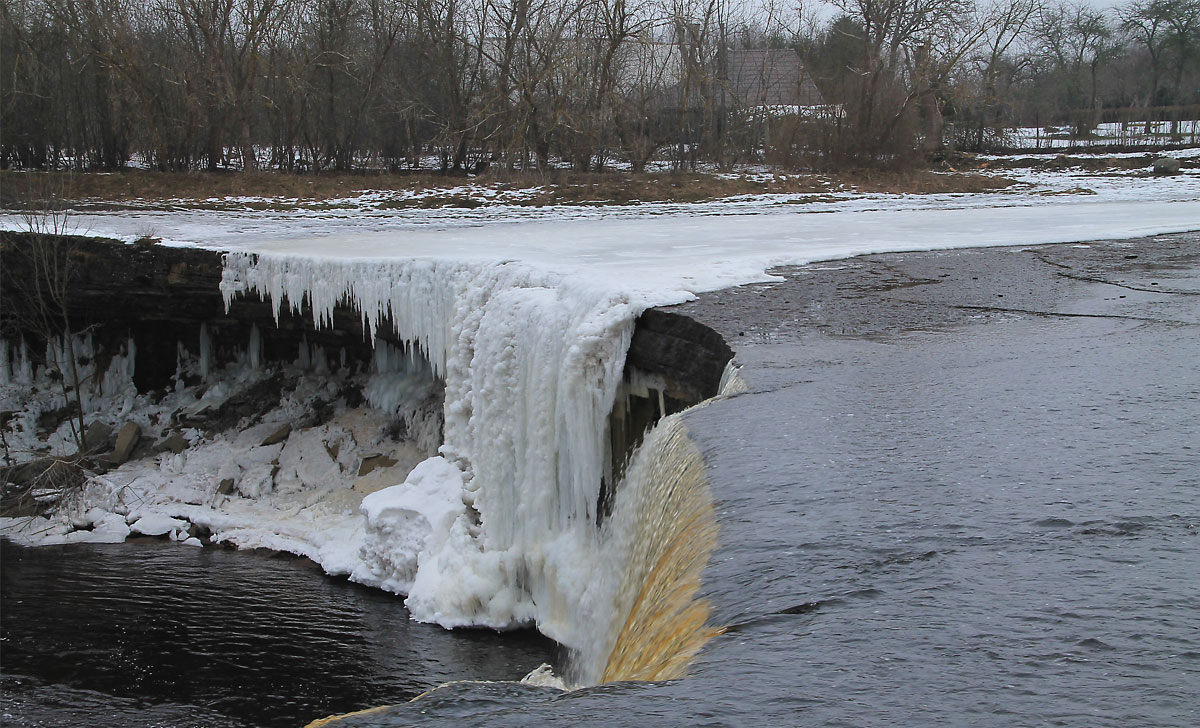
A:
{"x": 961, "y": 490}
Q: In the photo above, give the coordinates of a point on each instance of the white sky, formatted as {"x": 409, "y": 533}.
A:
{"x": 825, "y": 9}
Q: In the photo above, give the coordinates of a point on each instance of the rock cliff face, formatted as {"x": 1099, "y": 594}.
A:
{"x": 159, "y": 297}
{"x": 688, "y": 355}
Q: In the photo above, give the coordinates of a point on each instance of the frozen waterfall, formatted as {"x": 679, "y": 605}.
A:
{"x": 501, "y": 528}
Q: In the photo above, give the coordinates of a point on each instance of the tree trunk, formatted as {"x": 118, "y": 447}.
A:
{"x": 934, "y": 122}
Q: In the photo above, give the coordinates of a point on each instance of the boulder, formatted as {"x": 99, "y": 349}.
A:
{"x": 199, "y": 532}
{"x": 371, "y": 462}
{"x": 226, "y": 486}
{"x": 96, "y": 436}
{"x": 175, "y": 443}
{"x": 278, "y": 435}
{"x": 144, "y": 449}
{"x": 127, "y": 440}
{"x": 1166, "y": 166}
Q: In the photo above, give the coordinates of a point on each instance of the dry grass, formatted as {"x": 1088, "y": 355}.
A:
{"x": 924, "y": 182}
{"x": 22, "y": 190}
{"x": 137, "y": 185}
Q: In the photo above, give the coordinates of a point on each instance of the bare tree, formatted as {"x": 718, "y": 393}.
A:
{"x": 908, "y": 50}
{"x": 1146, "y": 20}
{"x": 1077, "y": 40}
{"x": 51, "y": 263}
{"x": 984, "y": 88}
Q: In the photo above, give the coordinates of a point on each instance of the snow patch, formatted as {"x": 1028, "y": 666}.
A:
{"x": 407, "y": 520}
{"x": 156, "y": 524}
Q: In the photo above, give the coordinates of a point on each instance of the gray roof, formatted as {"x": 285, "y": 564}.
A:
{"x": 754, "y": 77}
{"x": 767, "y": 77}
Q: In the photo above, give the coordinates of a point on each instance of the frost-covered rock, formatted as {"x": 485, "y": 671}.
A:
{"x": 310, "y": 459}
{"x": 127, "y": 439}
{"x": 156, "y": 524}
{"x": 257, "y": 481}
{"x": 543, "y": 676}
{"x": 404, "y": 521}
{"x": 1166, "y": 166}
{"x": 105, "y": 527}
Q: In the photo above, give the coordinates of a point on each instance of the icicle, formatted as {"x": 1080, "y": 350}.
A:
{"x": 130, "y": 358}
{"x": 119, "y": 376}
{"x": 205, "y": 352}
{"x": 255, "y": 348}
{"x": 5, "y": 365}
{"x": 24, "y": 365}
{"x": 304, "y": 361}
{"x": 53, "y": 354}
{"x": 181, "y": 357}
{"x": 320, "y": 364}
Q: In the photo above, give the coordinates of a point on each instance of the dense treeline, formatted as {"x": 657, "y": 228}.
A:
{"x": 303, "y": 85}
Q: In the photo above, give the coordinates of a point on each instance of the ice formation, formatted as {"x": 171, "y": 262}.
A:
{"x": 531, "y": 362}
{"x": 101, "y": 388}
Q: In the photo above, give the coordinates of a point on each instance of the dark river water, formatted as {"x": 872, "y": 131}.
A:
{"x": 986, "y": 524}
{"x": 993, "y": 527}
{"x": 155, "y": 634}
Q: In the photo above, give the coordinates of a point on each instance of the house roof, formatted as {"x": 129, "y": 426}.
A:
{"x": 767, "y": 77}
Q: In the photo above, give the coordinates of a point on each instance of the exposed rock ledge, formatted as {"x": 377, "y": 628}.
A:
{"x": 159, "y": 295}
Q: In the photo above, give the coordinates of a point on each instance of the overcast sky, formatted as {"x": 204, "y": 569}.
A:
{"x": 1104, "y": 4}
{"x": 1107, "y": 3}
{"x": 825, "y": 10}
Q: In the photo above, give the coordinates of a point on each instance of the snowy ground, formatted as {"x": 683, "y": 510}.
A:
{"x": 685, "y": 246}
{"x": 299, "y": 492}
{"x": 511, "y": 301}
